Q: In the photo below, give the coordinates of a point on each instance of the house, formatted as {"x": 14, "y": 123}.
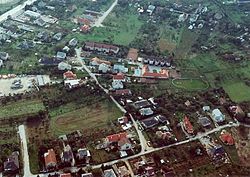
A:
{"x": 73, "y": 42}
{"x": 1, "y": 63}
{"x": 11, "y": 165}
{"x": 109, "y": 173}
{"x": 218, "y": 116}
{"x": 119, "y": 77}
{"x": 116, "y": 137}
{"x": 206, "y": 108}
{"x": 118, "y": 68}
{"x": 146, "y": 111}
{"x": 72, "y": 83}
{"x": 226, "y": 137}
{"x": 123, "y": 92}
{"x": 187, "y": 125}
{"x": 151, "y": 9}
{"x": 124, "y": 144}
{"x": 164, "y": 135}
{"x": 123, "y": 171}
{"x": 83, "y": 21}
{"x": 96, "y": 62}
{"x": 50, "y": 159}
{"x": 132, "y": 55}
{"x": 65, "y": 175}
{"x": 104, "y": 68}
{"x": 64, "y": 66}
{"x": 69, "y": 75}
{"x": 149, "y": 122}
{"x": 237, "y": 112}
{"x": 204, "y": 121}
{"x": 61, "y": 55}
{"x": 46, "y": 61}
{"x": 87, "y": 175}
{"x": 57, "y": 36}
{"x": 163, "y": 74}
{"x": 85, "y": 28}
{"x": 100, "y": 47}
{"x": 40, "y": 22}
{"x": 117, "y": 84}
{"x": 67, "y": 156}
{"x": 4, "y": 56}
{"x": 83, "y": 154}
{"x": 32, "y": 14}
{"x": 141, "y": 104}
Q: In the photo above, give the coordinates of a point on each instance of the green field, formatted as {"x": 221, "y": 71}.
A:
{"x": 237, "y": 91}
{"x": 21, "y": 108}
{"x": 8, "y": 6}
{"x": 68, "y": 118}
{"x": 118, "y": 30}
{"x": 190, "y": 84}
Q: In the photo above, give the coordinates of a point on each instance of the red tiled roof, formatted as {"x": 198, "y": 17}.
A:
{"x": 116, "y": 137}
{"x": 69, "y": 75}
{"x": 123, "y": 92}
{"x": 50, "y": 157}
{"x": 119, "y": 76}
{"x": 227, "y": 138}
{"x": 188, "y": 126}
{"x": 65, "y": 175}
{"x": 85, "y": 28}
{"x": 83, "y": 21}
{"x": 162, "y": 74}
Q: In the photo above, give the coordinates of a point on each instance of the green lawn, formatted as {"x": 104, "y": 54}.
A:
{"x": 237, "y": 91}
{"x": 68, "y": 118}
{"x": 190, "y": 84}
{"x": 21, "y": 108}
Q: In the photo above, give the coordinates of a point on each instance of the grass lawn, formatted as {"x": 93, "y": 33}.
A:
{"x": 237, "y": 91}
{"x": 190, "y": 84}
{"x": 68, "y": 118}
{"x": 21, "y": 108}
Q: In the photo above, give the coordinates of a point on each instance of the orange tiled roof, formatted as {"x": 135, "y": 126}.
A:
{"x": 187, "y": 124}
{"x": 69, "y": 75}
{"x": 50, "y": 157}
{"x": 119, "y": 76}
{"x": 227, "y": 138}
{"x": 117, "y": 137}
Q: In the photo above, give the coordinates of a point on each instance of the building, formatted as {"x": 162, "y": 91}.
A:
{"x": 50, "y": 159}
{"x": 116, "y": 137}
{"x": 87, "y": 175}
{"x": 83, "y": 153}
{"x": 132, "y": 55}
{"x": 72, "y": 83}
{"x": 118, "y": 68}
{"x": 123, "y": 92}
{"x": 146, "y": 111}
{"x": 162, "y": 74}
{"x": 1, "y": 63}
{"x": 204, "y": 121}
{"x": 149, "y": 122}
{"x": 32, "y": 14}
{"x": 187, "y": 125}
{"x": 119, "y": 77}
{"x": 100, "y": 47}
{"x": 117, "y": 84}
{"x": 218, "y": 116}
{"x": 151, "y": 9}
{"x": 61, "y": 55}
{"x": 62, "y": 66}
{"x": 69, "y": 75}
{"x": 11, "y": 165}
{"x": 124, "y": 144}
{"x": 73, "y": 42}
{"x": 4, "y": 56}
{"x": 96, "y": 62}
{"x": 67, "y": 156}
{"x": 104, "y": 68}
{"x": 46, "y": 61}
{"x": 226, "y": 137}
{"x": 109, "y": 173}
{"x": 65, "y": 175}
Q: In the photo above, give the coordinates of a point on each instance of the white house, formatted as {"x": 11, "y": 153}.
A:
{"x": 218, "y": 116}
{"x": 117, "y": 84}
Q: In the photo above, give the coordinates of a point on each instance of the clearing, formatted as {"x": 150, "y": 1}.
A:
{"x": 190, "y": 84}
{"x": 237, "y": 91}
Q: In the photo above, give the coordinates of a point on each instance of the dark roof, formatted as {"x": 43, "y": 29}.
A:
{"x": 218, "y": 150}
{"x": 162, "y": 118}
{"x": 82, "y": 153}
{"x": 49, "y": 61}
{"x": 12, "y": 163}
{"x": 204, "y": 121}
{"x": 141, "y": 104}
{"x": 149, "y": 122}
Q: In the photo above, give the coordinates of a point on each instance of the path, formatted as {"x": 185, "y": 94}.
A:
{"x": 98, "y": 22}
{"x": 15, "y": 10}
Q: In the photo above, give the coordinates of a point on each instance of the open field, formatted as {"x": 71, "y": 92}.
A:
{"x": 7, "y": 5}
{"x": 190, "y": 84}
{"x": 87, "y": 118}
{"x": 237, "y": 91}
{"x": 21, "y": 108}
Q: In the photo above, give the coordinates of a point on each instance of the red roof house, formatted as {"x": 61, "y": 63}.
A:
{"x": 163, "y": 74}
{"x": 187, "y": 125}
{"x": 227, "y": 138}
{"x": 50, "y": 159}
{"x": 65, "y": 175}
{"x": 85, "y": 28}
{"x": 69, "y": 75}
{"x": 116, "y": 137}
{"x": 119, "y": 76}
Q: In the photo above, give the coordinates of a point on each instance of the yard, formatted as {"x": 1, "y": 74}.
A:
{"x": 237, "y": 91}
{"x": 21, "y": 108}
{"x": 86, "y": 118}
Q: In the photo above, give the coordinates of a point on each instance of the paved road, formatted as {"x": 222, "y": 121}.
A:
{"x": 15, "y": 10}
{"x": 98, "y": 22}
